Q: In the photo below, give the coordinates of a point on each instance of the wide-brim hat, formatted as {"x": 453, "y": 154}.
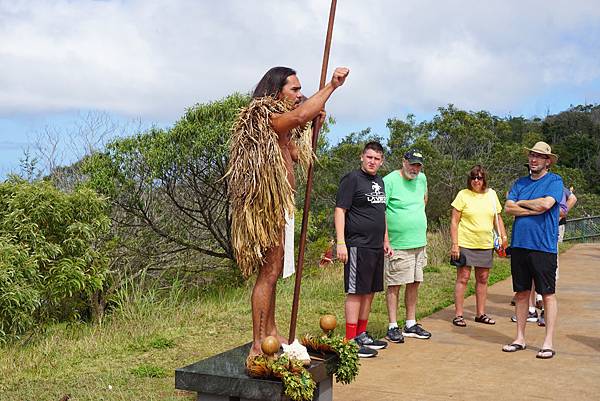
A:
{"x": 543, "y": 149}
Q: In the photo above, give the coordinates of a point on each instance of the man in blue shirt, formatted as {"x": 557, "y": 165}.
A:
{"x": 534, "y": 201}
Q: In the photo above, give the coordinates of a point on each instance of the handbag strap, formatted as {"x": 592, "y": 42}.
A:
{"x": 494, "y": 207}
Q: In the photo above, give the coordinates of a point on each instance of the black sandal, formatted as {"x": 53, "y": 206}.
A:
{"x": 514, "y": 347}
{"x": 485, "y": 319}
{"x": 540, "y": 354}
{"x": 459, "y": 321}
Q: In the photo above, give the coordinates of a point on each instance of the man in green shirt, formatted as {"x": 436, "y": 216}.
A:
{"x": 406, "y": 196}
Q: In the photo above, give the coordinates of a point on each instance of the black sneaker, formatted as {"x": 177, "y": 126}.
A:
{"x": 541, "y": 320}
{"x": 395, "y": 335}
{"x": 539, "y": 304}
{"x": 532, "y": 317}
{"x": 416, "y": 331}
{"x": 365, "y": 352}
{"x": 364, "y": 339}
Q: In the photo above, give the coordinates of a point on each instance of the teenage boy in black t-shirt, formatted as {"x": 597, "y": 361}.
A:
{"x": 360, "y": 229}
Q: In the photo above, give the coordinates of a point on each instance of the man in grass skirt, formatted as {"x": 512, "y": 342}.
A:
{"x": 269, "y": 136}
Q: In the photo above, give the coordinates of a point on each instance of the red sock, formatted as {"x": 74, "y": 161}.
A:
{"x": 350, "y": 330}
{"x": 362, "y": 326}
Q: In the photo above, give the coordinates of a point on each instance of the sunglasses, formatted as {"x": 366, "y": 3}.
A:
{"x": 538, "y": 156}
{"x": 477, "y": 178}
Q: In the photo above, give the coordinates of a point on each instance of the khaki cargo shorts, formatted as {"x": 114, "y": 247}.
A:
{"x": 406, "y": 266}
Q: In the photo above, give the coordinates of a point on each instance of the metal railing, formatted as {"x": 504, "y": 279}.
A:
{"x": 582, "y": 228}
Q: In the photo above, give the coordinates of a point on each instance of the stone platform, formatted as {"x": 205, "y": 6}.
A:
{"x": 223, "y": 378}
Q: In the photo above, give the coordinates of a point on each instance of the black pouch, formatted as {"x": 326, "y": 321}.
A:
{"x": 460, "y": 262}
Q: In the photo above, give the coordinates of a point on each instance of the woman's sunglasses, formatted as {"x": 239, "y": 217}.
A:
{"x": 477, "y": 178}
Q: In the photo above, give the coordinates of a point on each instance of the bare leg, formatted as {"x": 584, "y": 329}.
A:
{"x": 365, "y": 306}
{"x": 263, "y": 298}
{"x": 352, "y": 308}
{"x": 521, "y": 310}
{"x": 392, "y": 302}
{"x": 462, "y": 278}
{"x": 271, "y": 327}
{"x": 481, "y": 277}
{"x": 551, "y": 313}
{"x": 410, "y": 300}
{"x": 532, "y": 296}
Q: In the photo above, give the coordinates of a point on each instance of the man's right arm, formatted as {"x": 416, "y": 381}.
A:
{"x": 387, "y": 247}
{"x": 571, "y": 201}
{"x": 538, "y": 205}
{"x": 309, "y": 109}
{"x": 511, "y": 207}
{"x": 339, "y": 220}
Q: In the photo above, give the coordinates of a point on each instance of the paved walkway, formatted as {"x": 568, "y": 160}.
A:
{"x": 468, "y": 364}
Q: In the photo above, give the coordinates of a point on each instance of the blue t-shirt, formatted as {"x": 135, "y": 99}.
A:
{"x": 540, "y": 232}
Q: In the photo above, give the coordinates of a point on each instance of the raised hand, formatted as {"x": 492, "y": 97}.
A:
{"x": 339, "y": 76}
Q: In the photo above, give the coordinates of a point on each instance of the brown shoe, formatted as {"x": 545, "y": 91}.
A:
{"x": 485, "y": 319}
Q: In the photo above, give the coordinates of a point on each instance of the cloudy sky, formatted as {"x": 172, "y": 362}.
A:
{"x": 150, "y": 59}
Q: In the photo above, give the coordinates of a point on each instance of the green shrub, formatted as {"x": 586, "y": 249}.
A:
{"x": 19, "y": 298}
{"x": 51, "y": 261}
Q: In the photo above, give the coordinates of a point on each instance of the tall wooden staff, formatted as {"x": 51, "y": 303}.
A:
{"x": 309, "y": 181}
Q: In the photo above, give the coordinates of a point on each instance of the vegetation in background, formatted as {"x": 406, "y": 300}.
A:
{"x": 169, "y": 206}
{"x": 51, "y": 257}
{"x": 154, "y": 246}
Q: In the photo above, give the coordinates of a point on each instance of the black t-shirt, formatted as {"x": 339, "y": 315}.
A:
{"x": 363, "y": 197}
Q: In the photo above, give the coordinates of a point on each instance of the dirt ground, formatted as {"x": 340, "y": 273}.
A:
{"x": 468, "y": 364}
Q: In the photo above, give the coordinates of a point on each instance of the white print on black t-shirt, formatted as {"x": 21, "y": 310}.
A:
{"x": 376, "y": 196}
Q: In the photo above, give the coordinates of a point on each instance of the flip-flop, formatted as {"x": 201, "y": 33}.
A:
{"x": 514, "y": 347}
{"x": 543, "y": 351}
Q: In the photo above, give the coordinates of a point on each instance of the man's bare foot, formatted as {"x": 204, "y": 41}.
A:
{"x": 282, "y": 340}
{"x": 254, "y": 351}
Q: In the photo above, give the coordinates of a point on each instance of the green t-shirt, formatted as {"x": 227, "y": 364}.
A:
{"x": 405, "y": 210}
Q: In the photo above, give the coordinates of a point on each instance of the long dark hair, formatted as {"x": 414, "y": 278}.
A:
{"x": 272, "y": 82}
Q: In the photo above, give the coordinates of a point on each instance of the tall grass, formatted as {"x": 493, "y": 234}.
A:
{"x": 438, "y": 246}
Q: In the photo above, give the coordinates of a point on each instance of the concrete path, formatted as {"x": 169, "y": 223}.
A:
{"x": 468, "y": 364}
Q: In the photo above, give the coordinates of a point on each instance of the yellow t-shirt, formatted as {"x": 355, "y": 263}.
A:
{"x": 477, "y": 218}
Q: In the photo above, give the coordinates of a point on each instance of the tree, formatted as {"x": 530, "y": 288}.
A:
{"x": 56, "y": 153}
{"x": 575, "y": 136}
{"x": 166, "y": 185}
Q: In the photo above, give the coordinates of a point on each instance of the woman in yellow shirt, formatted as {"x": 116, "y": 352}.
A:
{"x": 473, "y": 219}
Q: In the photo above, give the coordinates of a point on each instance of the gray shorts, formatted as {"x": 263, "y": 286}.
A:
{"x": 406, "y": 266}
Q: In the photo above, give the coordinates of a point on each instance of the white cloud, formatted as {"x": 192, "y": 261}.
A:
{"x": 155, "y": 58}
